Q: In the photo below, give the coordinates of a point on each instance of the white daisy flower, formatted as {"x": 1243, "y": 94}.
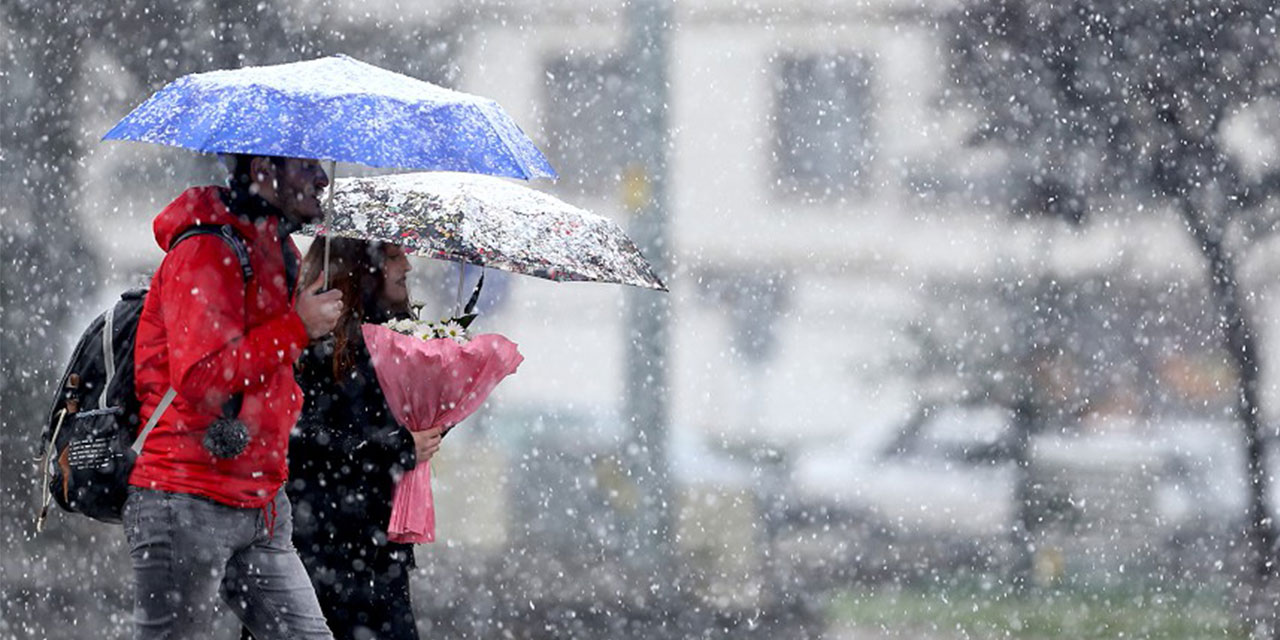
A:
{"x": 454, "y": 331}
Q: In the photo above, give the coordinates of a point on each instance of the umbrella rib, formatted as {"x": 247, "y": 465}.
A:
{"x": 500, "y": 130}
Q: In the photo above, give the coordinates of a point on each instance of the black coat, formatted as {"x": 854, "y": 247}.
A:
{"x": 344, "y": 457}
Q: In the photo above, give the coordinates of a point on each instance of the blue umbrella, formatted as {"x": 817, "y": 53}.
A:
{"x": 337, "y": 109}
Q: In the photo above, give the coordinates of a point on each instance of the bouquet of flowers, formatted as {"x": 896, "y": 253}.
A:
{"x": 432, "y": 374}
{"x": 451, "y": 328}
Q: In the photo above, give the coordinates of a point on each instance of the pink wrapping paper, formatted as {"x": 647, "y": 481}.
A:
{"x": 431, "y": 383}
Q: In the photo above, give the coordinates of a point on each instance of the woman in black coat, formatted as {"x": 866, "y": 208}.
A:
{"x": 348, "y": 450}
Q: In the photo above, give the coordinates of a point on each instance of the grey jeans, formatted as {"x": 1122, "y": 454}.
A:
{"x": 186, "y": 548}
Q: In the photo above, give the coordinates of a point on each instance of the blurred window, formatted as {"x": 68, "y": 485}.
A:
{"x": 585, "y": 125}
{"x": 822, "y": 125}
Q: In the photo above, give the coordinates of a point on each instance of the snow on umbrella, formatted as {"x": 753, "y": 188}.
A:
{"x": 488, "y": 222}
{"x": 338, "y": 109}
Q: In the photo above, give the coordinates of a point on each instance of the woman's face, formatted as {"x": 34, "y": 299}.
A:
{"x": 396, "y": 268}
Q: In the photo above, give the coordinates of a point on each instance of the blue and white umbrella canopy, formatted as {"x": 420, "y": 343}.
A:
{"x": 339, "y": 109}
{"x": 488, "y": 222}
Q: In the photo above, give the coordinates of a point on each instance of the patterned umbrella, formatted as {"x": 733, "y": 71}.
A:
{"x": 486, "y": 221}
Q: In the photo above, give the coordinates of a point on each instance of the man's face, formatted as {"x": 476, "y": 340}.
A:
{"x": 294, "y": 187}
{"x": 396, "y": 268}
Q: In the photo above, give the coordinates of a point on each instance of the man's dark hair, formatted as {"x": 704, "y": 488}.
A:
{"x": 242, "y": 170}
{"x": 240, "y": 199}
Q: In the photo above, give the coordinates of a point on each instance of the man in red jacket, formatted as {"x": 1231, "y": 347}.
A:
{"x": 198, "y": 523}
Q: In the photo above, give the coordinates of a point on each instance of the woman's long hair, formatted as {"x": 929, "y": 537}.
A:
{"x": 355, "y": 269}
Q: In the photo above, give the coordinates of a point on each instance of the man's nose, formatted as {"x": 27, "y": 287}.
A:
{"x": 322, "y": 179}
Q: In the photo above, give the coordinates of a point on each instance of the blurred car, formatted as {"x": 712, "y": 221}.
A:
{"x": 1116, "y": 493}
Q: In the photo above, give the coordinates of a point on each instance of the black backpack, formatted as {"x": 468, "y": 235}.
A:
{"x": 88, "y": 441}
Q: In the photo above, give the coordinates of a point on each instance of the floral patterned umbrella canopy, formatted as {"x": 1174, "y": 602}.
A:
{"x": 486, "y": 221}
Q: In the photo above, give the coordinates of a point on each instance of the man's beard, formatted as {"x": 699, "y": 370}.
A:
{"x": 297, "y": 212}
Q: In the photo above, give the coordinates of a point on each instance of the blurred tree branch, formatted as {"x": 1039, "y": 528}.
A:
{"x": 1130, "y": 102}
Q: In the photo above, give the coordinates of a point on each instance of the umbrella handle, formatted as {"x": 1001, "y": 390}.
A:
{"x": 326, "y": 264}
{"x": 333, "y": 186}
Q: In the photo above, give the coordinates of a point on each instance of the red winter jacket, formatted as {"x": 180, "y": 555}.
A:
{"x": 192, "y": 336}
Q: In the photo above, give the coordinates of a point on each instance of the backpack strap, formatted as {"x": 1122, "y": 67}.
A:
{"x": 108, "y": 352}
{"x": 155, "y": 418}
{"x": 229, "y": 235}
{"x": 46, "y": 494}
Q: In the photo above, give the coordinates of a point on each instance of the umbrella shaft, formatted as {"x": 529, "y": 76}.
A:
{"x": 333, "y": 186}
{"x": 462, "y": 271}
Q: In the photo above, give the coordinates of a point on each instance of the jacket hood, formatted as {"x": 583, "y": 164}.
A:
{"x": 205, "y": 205}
